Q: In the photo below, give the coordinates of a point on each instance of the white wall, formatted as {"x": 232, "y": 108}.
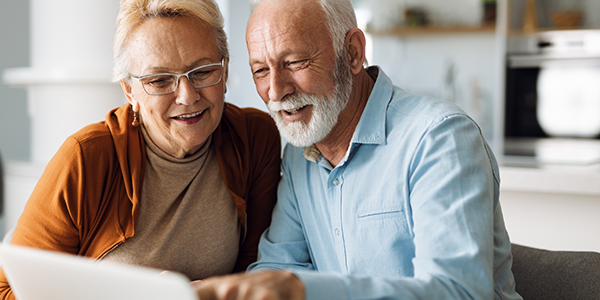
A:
{"x": 421, "y": 64}
{"x": 240, "y": 87}
{"x": 14, "y": 52}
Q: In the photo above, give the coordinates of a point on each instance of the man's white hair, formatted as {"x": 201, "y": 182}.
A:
{"x": 340, "y": 19}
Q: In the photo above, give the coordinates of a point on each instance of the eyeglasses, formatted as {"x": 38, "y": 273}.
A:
{"x": 166, "y": 83}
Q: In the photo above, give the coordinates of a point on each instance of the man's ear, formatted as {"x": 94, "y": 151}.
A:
{"x": 127, "y": 90}
{"x": 355, "y": 44}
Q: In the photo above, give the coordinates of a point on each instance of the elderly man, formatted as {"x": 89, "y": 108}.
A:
{"x": 385, "y": 194}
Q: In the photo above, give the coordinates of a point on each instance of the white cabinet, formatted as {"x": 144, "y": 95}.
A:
{"x": 552, "y": 207}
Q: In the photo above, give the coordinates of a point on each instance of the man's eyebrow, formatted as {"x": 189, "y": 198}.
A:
{"x": 256, "y": 61}
{"x": 279, "y": 58}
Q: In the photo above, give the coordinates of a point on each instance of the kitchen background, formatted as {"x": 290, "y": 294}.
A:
{"x": 55, "y": 64}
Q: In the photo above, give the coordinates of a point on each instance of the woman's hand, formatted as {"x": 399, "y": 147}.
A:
{"x": 265, "y": 285}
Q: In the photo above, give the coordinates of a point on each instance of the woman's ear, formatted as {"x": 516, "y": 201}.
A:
{"x": 225, "y": 73}
{"x": 355, "y": 44}
{"x": 135, "y": 106}
{"x": 127, "y": 90}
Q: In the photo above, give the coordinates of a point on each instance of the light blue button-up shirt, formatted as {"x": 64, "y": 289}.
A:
{"x": 411, "y": 212}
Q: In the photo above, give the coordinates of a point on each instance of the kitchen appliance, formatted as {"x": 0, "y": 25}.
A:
{"x": 552, "y": 105}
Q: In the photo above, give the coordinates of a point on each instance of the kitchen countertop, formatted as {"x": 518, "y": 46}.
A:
{"x": 552, "y": 178}
{"x": 551, "y": 165}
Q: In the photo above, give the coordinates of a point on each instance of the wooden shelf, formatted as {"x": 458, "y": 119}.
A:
{"x": 521, "y": 32}
{"x": 433, "y": 30}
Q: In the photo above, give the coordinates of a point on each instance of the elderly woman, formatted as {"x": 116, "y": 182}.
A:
{"x": 175, "y": 179}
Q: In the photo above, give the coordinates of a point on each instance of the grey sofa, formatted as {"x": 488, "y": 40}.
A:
{"x": 553, "y": 275}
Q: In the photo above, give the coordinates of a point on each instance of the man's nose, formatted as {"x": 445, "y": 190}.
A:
{"x": 186, "y": 93}
{"x": 280, "y": 85}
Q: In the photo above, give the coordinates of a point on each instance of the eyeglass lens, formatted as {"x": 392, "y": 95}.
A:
{"x": 167, "y": 83}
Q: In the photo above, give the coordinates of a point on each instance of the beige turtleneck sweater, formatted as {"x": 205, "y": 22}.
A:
{"x": 188, "y": 221}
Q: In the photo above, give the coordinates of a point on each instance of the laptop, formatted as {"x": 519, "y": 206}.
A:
{"x": 35, "y": 274}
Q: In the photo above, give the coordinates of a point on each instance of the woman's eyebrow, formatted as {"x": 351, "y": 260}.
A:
{"x": 195, "y": 64}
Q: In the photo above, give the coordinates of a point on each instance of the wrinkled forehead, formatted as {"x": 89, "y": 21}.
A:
{"x": 284, "y": 23}
{"x": 284, "y": 15}
{"x": 170, "y": 44}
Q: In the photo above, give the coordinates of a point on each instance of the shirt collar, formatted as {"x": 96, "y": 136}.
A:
{"x": 371, "y": 127}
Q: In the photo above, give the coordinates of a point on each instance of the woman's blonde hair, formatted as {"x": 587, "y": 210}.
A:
{"x": 133, "y": 12}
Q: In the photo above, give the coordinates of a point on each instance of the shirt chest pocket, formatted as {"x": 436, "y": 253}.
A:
{"x": 389, "y": 221}
{"x": 373, "y": 214}
{"x": 382, "y": 243}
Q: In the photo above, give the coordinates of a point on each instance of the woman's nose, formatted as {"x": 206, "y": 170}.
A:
{"x": 186, "y": 93}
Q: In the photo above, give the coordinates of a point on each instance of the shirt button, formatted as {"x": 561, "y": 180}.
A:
{"x": 336, "y": 182}
{"x": 338, "y": 232}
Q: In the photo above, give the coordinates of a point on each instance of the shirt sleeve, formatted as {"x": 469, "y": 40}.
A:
{"x": 453, "y": 207}
{"x": 283, "y": 244}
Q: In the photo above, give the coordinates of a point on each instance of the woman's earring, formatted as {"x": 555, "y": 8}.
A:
{"x": 135, "y": 108}
{"x": 135, "y": 122}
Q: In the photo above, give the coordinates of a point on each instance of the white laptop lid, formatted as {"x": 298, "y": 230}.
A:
{"x": 35, "y": 274}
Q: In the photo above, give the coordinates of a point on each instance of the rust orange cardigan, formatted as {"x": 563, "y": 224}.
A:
{"x": 87, "y": 200}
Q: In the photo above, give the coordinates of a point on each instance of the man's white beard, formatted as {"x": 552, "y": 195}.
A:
{"x": 325, "y": 110}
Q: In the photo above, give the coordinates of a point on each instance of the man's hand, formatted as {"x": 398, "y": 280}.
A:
{"x": 266, "y": 285}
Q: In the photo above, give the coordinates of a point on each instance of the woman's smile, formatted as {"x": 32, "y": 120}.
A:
{"x": 191, "y": 118}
